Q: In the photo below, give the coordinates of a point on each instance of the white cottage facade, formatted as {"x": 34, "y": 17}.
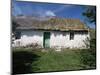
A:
{"x": 48, "y": 37}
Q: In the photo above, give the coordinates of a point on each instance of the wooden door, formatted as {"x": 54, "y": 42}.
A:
{"x": 46, "y": 40}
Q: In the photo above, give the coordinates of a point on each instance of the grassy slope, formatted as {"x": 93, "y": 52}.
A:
{"x": 30, "y": 61}
{"x": 56, "y": 61}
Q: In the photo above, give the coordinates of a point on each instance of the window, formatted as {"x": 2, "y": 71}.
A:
{"x": 71, "y": 35}
{"x": 17, "y": 35}
{"x": 64, "y": 33}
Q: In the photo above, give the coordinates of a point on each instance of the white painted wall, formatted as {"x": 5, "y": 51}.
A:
{"x": 60, "y": 40}
{"x": 29, "y": 37}
{"x": 57, "y": 39}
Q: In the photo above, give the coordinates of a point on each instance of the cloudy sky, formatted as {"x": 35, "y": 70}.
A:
{"x": 47, "y": 9}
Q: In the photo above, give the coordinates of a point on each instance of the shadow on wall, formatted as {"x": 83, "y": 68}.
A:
{"x": 22, "y": 61}
{"x": 31, "y": 33}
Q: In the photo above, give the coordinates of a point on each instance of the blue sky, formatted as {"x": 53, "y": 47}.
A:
{"x": 48, "y": 9}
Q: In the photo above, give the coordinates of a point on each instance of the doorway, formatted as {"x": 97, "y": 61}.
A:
{"x": 46, "y": 40}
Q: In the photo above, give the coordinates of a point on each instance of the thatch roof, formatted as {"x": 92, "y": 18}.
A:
{"x": 50, "y": 24}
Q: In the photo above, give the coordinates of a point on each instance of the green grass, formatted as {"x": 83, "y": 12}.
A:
{"x": 30, "y": 61}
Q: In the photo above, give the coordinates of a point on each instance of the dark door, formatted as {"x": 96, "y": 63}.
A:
{"x": 46, "y": 40}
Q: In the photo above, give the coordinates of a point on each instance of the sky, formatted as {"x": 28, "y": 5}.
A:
{"x": 49, "y": 10}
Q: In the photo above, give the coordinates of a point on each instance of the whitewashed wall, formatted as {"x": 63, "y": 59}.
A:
{"x": 57, "y": 39}
{"x": 62, "y": 39}
{"x": 29, "y": 37}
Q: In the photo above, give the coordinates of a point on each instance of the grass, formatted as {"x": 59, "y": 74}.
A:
{"x": 32, "y": 61}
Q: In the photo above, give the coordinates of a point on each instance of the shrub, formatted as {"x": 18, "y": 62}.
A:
{"x": 88, "y": 56}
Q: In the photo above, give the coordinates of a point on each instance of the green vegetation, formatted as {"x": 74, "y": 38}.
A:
{"x": 90, "y": 14}
{"x": 27, "y": 60}
{"x": 93, "y": 33}
{"x": 88, "y": 56}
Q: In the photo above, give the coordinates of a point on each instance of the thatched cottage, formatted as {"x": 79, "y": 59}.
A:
{"x": 51, "y": 33}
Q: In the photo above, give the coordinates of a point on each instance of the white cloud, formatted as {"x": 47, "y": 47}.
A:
{"x": 63, "y": 7}
{"x": 49, "y": 13}
{"x": 45, "y": 14}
